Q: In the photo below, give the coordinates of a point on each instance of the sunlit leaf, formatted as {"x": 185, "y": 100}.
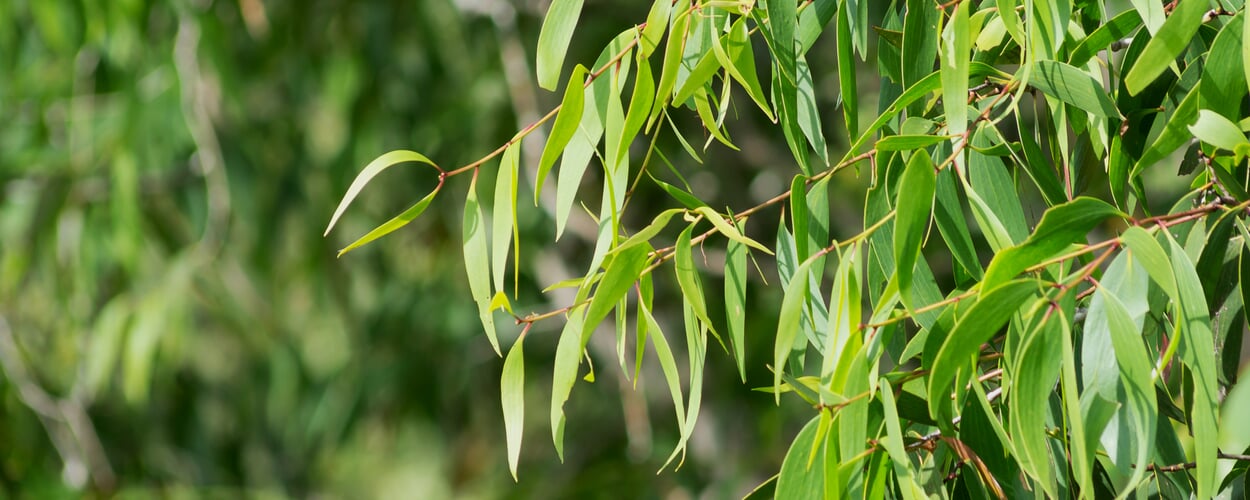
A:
{"x": 1073, "y": 86}
{"x": 1061, "y": 226}
{"x": 503, "y": 214}
{"x": 567, "y": 121}
{"x": 915, "y": 206}
{"x": 476, "y": 262}
{"x": 553, "y": 40}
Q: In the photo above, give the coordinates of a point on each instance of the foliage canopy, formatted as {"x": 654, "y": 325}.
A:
{"x": 1092, "y": 351}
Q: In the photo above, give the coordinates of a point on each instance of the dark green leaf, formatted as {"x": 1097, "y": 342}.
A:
{"x": 1166, "y": 45}
{"x": 1061, "y": 226}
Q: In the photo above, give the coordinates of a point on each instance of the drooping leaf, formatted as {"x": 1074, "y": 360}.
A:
{"x": 914, "y": 209}
{"x": 553, "y": 40}
{"x": 909, "y": 142}
{"x": 362, "y": 179}
{"x": 688, "y": 278}
{"x": 512, "y": 395}
{"x": 1039, "y": 366}
{"x": 476, "y": 261}
{"x": 735, "y": 301}
{"x": 788, "y": 326}
{"x": 503, "y": 214}
{"x": 564, "y": 374}
{"x": 847, "y": 86}
{"x": 621, "y": 271}
{"x": 645, "y": 234}
{"x": 1116, "y": 29}
{"x": 956, "y": 42}
{"x": 1223, "y": 77}
{"x": 567, "y": 121}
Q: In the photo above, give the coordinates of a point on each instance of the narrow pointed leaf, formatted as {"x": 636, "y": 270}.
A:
{"x": 476, "y": 261}
{"x": 727, "y": 229}
{"x": 567, "y": 120}
{"x": 1073, "y": 86}
{"x": 735, "y": 301}
{"x": 370, "y": 171}
{"x": 915, "y": 206}
{"x": 621, "y": 271}
{"x": 512, "y": 395}
{"x": 503, "y": 214}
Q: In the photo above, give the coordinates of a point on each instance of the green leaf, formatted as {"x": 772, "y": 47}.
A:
{"x": 645, "y": 234}
{"x": 948, "y": 213}
{"x": 621, "y": 271}
{"x": 799, "y": 216}
{"x": 1196, "y": 342}
{"x": 1235, "y": 408}
{"x": 726, "y": 229}
{"x": 565, "y": 126}
{"x": 1040, "y": 360}
{"x": 1166, "y": 45}
{"x": 1061, "y": 226}
{"x": 657, "y": 21}
{"x": 959, "y": 349}
{"x": 893, "y": 443}
{"x": 688, "y": 278}
{"x": 1214, "y": 129}
{"x": 1245, "y": 47}
{"x": 1135, "y": 375}
{"x": 564, "y": 375}
{"x": 678, "y": 194}
{"x": 512, "y": 395}
{"x": 738, "y": 58}
{"x": 735, "y": 301}
{"x": 956, "y": 43}
{"x": 847, "y": 86}
{"x": 476, "y": 263}
{"x": 1223, "y": 75}
{"x": 639, "y": 109}
{"x": 672, "y": 59}
{"x": 808, "y": 115}
{"x": 362, "y": 179}
{"x": 909, "y": 142}
{"x": 503, "y": 214}
{"x": 1073, "y": 86}
{"x": 668, "y": 364}
{"x": 1117, "y": 28}
{"x": 553, "y": 40}
{"x": 920, "y": 40}
{"x": 1174, "y": 135}
{"x": 796, "y": 295}
{"x": 1146, "y": 249}
{"x": 799, "y": 477}
{"x": 915, "y": 206}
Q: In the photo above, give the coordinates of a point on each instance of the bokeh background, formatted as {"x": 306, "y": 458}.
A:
{"x": 173, "y": 323}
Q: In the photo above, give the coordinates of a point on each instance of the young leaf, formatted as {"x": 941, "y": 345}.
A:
{"x": 553, "y": 40}
{"x": 565, "y": 126}
{"x": 1061, "y": 226}
{"x": 1166, "y": 45}
{"x": 727, "y": 229}
{"x": 512, "y": 396}
{"x": 645, "y": 234}
{"x": 476, "y": 263}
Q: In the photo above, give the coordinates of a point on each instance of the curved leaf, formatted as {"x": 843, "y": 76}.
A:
{"x": 477, "y": 263}
{"x": 565, "y": 126}
{"x": 1061, "y": 226}
{"x": 553, "y": 40}
{"x": 1166, "y": 45}
{"x": 370, "y": 171}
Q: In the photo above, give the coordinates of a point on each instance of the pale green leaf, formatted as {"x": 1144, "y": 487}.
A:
{"x": 728, "y": 230}
{"x": 553, "y": 40}
{"x": 735, "y": 301}
{"x": 799, "y": 477}
{"x": 564, "y": 375}
{"x": 909, "y": 142}
{"x": 1214, "y": 129}
{"x": 956, "y": 43}
{"x": 621, "y": 271}
{"x": 512, "y": 396}
{"x": 503, "y": 214}
{"x": 476, "y": 261}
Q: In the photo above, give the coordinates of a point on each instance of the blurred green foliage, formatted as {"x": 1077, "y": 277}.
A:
{"x": 173, "y": 323}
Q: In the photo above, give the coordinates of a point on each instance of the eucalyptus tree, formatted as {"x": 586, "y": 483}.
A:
{"x": 1088, "y": 341}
